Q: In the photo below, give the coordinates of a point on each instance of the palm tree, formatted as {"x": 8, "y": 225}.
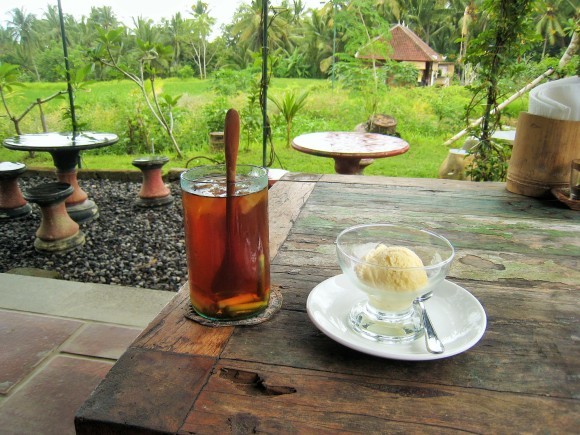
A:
{"x": 318, "y": 39}
{"x": 22, "y": 29}
{"x": 247, "y": 28}
{"x": 297, "y": 10}
{"x": 174, "y": 30}
{"x": 146, "y": 31}
{"x": 390, "y": 10}
{"x": 448, "y": 39}
{"x": 470, "y": 25}
{"x": 103, "y": 18}
{"x": 51, "y": 24}
{"x": 549, "y": 24}
{"x": 425, "y": 17}
{"x": 198, "y": 31}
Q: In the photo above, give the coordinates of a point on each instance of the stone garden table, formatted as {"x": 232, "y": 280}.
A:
{"x": 65, "y": 151}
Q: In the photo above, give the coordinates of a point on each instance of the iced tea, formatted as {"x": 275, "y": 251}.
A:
{"x": 227, "y": 245}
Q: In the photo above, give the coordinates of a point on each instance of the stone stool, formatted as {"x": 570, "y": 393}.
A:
{"x": 154, "y": 192}
{"x": 57, "y": 231}
{"x": 12, "y": 203}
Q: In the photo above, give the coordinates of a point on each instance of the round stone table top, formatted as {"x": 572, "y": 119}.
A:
{"x": 350, "y": 144}
{"x": 60, "y": 141}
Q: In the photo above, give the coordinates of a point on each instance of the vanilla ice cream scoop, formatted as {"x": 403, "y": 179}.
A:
{"x": 391, "y": 275}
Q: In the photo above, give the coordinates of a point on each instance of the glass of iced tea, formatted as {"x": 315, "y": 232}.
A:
{"x": 227, "y": 242}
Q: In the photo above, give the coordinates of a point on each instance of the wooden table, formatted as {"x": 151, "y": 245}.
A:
{"x": 348, "y": 148}
{"x": 519, "y": 256}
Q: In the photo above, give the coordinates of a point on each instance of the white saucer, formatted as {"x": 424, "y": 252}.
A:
{"x": 456, "y": 314}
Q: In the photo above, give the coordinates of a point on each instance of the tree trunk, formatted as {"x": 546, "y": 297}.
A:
{"x": 42, "y": 117}
{"x": 36, "y": 71}
{"x": 288, "y": 131}
{"x": 545, "y": 46}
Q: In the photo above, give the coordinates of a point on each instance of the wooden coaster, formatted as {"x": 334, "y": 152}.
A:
{"x": 274, "y": 306}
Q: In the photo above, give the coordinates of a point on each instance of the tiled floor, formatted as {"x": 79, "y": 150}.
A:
{"x": 49, "y": 368}
{"x": 49, "y": 364}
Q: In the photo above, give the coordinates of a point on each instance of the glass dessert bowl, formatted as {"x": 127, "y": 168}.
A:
{"x": 393, "y": 265}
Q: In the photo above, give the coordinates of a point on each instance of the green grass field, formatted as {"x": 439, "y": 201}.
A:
{"x": 426, "y": 117}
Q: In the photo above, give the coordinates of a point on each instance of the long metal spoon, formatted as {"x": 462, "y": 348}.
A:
{"x": 434, "y": 345}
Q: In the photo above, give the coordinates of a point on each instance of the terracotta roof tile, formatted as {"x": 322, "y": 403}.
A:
{"x": 407, "y": 46}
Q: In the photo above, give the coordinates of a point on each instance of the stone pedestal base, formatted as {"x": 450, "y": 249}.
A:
{"x": 12, "y": 203}
{"x": 13, "y": 213}
{"x": 153, "y": 193}
{"x": 83, "y": 212}
{"x": 62, "y": 245}
{"x": 57, "y": 231}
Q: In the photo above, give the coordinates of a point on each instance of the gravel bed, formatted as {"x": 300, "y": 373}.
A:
{"x": 127, "y": 245}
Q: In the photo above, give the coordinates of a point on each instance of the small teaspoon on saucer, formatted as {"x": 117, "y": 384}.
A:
{"x": 434, "y": 345}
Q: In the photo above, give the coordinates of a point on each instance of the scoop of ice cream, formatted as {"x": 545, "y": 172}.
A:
{"x": 399, "y": 280}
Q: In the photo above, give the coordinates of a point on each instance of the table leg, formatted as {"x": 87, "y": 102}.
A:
{"x": 347, "y": 166}
{"x": 79, "y": 207}
{"x": 79, "y": 195}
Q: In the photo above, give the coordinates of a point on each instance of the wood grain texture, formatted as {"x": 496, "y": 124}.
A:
{"x": 519, "y": 256}
{"x": 146, "y": 391}
{"x": 171, "y": 331}
{"x": 530, "y": 357}
{"x": 240, "y": 393}
{"x": 497, "y": 236}
{"x": 285, "y": 201}
{"x": 541, "y": 154}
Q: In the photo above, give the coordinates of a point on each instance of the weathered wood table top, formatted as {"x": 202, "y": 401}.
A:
{"x": 348, "y": 148}
{"x": 518, "y": 256}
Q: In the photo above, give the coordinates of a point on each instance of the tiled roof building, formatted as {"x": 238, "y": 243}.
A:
{"x": 405, "y": 46}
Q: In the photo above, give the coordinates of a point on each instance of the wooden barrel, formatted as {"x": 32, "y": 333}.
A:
{"x": 541, "y": 156}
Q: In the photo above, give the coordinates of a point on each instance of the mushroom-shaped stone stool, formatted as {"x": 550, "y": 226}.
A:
{"x": 57, "y": 231}
{"x": 12, "y": 203}
{"x": 154, "y": 192}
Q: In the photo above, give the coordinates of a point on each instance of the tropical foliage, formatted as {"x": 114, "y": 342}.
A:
{"x": 289, "y": 105}
{"x": 320, "y": 43}
{"x": 302, "y": 42}
{"x": 493, "y": 51}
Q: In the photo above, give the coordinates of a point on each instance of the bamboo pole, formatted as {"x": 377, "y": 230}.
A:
{"x": 572, "y": 49}
{"x": 515, "y": 96}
